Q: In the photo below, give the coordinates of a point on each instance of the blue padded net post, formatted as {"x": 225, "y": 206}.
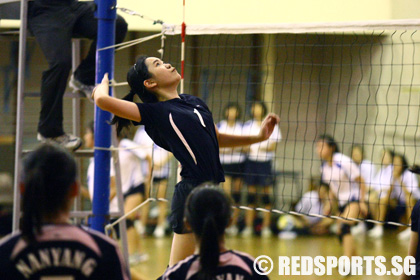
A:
{"x": 106, "y": 15}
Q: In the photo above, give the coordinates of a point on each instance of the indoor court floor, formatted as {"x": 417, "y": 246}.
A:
{"x": 387, "y": 246}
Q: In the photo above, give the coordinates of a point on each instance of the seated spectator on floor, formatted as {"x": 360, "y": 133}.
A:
{"x": 312, "y": 202}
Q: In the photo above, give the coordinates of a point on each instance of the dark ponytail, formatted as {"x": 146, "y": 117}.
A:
{"x": 209, "y": 249}
{"x": 208, "y": 211}
{"x": 136, "y": 76}
{"x": 48, "y": 173}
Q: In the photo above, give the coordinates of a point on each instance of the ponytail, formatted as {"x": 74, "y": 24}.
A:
{"x": 33, "y": 205}
{"x": 48, "y": 174}
{"x": 209, "y": 249}
{"x": 121, "y": 122}
{"x": 135, "y": 78}
{"x": 208, "y": 211}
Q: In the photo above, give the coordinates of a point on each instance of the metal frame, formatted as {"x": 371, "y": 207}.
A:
{"x": 76, "y": 131}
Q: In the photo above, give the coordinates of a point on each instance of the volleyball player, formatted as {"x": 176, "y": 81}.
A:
{"x": 259, "y": 170}
{"x": 161, "y": 159}
{"x": 49, "y": 247}
{"x": 346, "y": 187}
{"x": 132, "y": 187}
{"x": 401, "y": 194}
{"x": 207, "y": 214}
{"x": 179, "y": 123}
{"x": 382, "y": 181}
{"x": 233, "y": 160}
{"x": 368, "y": 172}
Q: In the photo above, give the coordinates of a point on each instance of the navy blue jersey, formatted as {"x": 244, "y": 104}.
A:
{"x": 232, "y": 265}
{"x": 415, "y": 227}
{"x": 185, "y": 127}
{"x": 61, "y": 252}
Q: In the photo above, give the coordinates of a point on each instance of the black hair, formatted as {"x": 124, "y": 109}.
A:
{"x": 262, "y": 104}
{"x": 208, "y": 211}
{"x": 404, "y": 161}
{"x": 48, "y": 174}
{"x": 232, "y": 105}
{"x": 136, "y": 76}
{"x": 330, "y": 142}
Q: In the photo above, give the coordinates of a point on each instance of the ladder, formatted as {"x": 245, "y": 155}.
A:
{"x": 77, "y": 214}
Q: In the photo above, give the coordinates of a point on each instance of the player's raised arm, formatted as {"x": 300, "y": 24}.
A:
{"x": 267, "y": 127}
{"x": 121, "y": 108}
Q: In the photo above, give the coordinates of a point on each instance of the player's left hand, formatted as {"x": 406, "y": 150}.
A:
{"x": 268, "y": 125}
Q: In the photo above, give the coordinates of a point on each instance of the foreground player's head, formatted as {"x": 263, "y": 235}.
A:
{"x": 49, "y": 183}
{"x": 208, "y": 212}
{"x": 326, "y": 147}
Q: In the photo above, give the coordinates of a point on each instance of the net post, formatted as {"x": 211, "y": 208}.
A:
{"x": 106, "y": 15}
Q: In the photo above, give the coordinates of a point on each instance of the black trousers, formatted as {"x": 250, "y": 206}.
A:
{"x": 54, "y": 23}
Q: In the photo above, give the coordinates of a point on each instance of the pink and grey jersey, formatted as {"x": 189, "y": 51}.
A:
{"x": 61, "y": 252}
{"x": 232, "y": 265}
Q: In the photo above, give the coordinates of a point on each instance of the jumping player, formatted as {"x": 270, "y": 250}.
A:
{"x": 179, "y": 123}
{"x": 48, "y": 246}
{"x": 208, "y": 213}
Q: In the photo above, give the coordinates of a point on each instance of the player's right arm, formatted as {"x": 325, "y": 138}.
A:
{"x": 121, "y": 108}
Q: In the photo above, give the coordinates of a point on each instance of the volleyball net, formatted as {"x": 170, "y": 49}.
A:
{"x": 357, "y": 82}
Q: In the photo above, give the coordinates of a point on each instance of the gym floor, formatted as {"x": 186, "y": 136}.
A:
{"x": 387, "y": 246}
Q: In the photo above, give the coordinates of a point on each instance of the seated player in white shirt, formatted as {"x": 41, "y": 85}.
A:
{"x": 368, "y": 173}
{"x": 381, "y": 183}
{"x": 312, "y": 201}
{"x": 401, "y": 194}
{"x": 346, "y": 187}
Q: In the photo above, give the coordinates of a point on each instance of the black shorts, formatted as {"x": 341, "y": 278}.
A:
{"x": 234, "y": 170}
{"x": 140, "y": 189}
{"x": 181, "y": 192}
{"x": 258, "y": 173}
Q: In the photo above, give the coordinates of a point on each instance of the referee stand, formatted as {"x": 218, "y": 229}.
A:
{"x": 77, "y": 214}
